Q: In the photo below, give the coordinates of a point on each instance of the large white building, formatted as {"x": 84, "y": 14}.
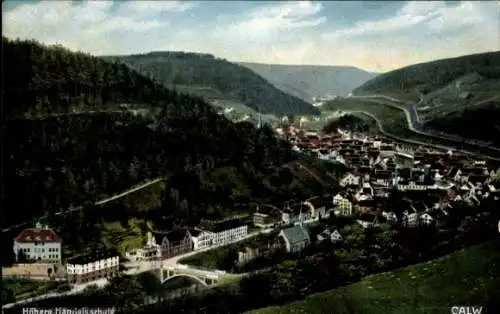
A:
{"x": 84, "y": 269}
{"x": 201, "y": 239}
{"x": 40, "y": 244}
{"x": 225, "y": 232}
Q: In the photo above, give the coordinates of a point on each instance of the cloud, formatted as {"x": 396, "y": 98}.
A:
{"x": 264, "y": 23}
{"x": 91, "y": 25}
{"x": 435, "y": 15}
{"x": 304, "y": 32}
{"x": 148, "y": 8}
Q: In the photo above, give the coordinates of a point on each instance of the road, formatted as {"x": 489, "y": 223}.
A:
{"x": 404, "y": 140}
{"x": 86, "y": 112}
{"x": 415, "y": 125}
{"x": 101, "y": 202}
{"x": 141, "y": 267}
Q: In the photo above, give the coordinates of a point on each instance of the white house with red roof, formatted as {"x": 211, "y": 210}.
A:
{"x": 40, "y": 244}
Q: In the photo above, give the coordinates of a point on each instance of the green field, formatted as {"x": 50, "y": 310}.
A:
{"x": 393, "y": 120}
{"x": 467, "y": 277}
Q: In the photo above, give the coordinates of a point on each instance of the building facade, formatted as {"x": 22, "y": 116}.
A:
{"x": 175, "y": 242}
{"x": 40, "y": 244}
{"x": 90, "y": 268}
{"x": 266, "y": 216}
{"x": 294, "y": 239}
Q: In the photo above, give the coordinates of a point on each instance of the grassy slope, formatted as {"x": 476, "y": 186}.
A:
{"x": 469, "y": 276}
{"x": 392, "y": 119}
{"x": 431, "y": 76}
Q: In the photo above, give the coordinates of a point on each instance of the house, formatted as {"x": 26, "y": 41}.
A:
{"x": 227, "y": 231}
{"x": 455, "y": 174}
{"x": 40, "y": 244}
{"x": 173, "y": 243}
{"x": 350, "y": 179}
{"x": 426, "y": 219}
{"x": 337, "y": 198}
{"x": 410, "y": 220}
{"x": 367, "y": 220}
{"x": 317, "y": 206}
{"x": 334, "y": 236}
{"x": 252, "y": 252}
{"x": 297, "y": 214}
{"x": 344, "y": 207}
{"x": 381, "y": 178}
{"x": 294, "y": 239}
{"x": 390, "y": 216}
{"x": 88, "y": 268}
{"x": 367, "y": 205}
{"x": 367, "y": 189}
{"x": 412, "y": 186}
{"x": 266, "y": 216}
{"x": 150, "y": 251}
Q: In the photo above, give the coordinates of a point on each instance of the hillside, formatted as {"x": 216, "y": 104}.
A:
{"x": 235, "y": 82}
{"x": 308, "y": 81}
{"x": 464, "y": 277}
{"x": 457, "y": 94}
{"x": 430, "y": 76}
{"x": 57, "y": 160}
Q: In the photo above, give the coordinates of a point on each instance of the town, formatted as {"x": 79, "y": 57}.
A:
{"x": 430, "y": 183}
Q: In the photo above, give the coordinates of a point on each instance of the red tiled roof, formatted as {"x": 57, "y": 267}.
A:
{"x": 37, "y": 235}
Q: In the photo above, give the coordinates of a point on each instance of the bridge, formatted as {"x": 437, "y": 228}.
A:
{"x": 205, "y": 277}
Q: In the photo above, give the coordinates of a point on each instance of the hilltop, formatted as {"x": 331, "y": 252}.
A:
{"x": 309, "y": 81}
{"x": 70, "y": 144}
{"x": 456, "y": 95}
{"x": 426, "y": 78}
{"x": 215, "y": 79}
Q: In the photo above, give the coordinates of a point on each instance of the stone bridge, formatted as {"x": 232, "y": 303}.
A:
{"x": 205, "y": 277}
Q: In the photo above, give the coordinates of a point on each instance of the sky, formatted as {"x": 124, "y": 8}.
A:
{"x": 375, "y": 36}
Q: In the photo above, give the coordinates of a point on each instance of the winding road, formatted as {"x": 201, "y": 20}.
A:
{"x": 415, "y": 125}
{"x": 405, "y": 140}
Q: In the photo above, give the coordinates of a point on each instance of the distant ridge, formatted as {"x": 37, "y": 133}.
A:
{"x": 309, "y": 81}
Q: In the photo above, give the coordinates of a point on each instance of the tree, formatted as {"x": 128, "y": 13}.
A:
{"x": 285, "y": 283}
{"x": 7, "y": 295}
{"x": 184, "y": 207}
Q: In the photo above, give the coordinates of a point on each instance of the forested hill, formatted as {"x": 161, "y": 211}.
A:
{"x": 234, "y": 81}
{"x": 55, "y": 161}
{"x": 42, "y": 80}
{"x": 429, "y": 76}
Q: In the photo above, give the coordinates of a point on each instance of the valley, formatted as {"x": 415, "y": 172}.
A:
{"x": 250, "y": 157}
